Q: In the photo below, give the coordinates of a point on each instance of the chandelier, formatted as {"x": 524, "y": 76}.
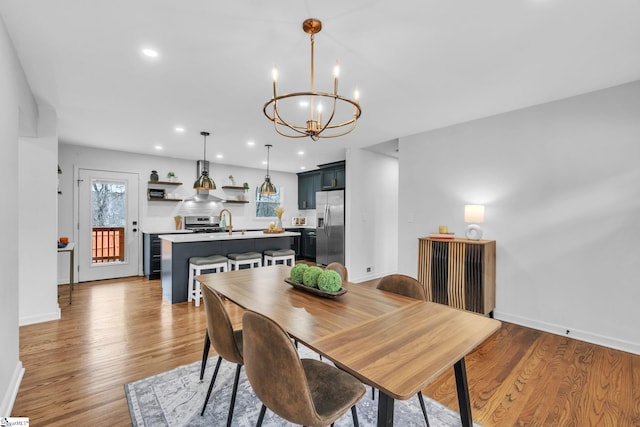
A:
{"x": 340, "y": 116}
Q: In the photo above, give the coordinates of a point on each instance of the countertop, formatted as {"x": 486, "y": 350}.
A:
{"x": 151, "y": 231}
{"x": 237, "y": 235}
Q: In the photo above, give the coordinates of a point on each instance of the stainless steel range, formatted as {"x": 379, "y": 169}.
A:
{"x": 202, "y": 224}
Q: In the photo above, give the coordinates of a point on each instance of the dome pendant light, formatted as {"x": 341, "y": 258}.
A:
{"x": 267, "y": 187}
{"x": 204, "y": 182}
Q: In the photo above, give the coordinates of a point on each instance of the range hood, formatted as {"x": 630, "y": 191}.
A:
{"x": 203, "y": 196}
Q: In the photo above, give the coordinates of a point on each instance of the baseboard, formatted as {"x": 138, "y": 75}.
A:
{"x": 9, "y": 398}
{"x": 39, "y": 318}
{"x": 577, "y": 334}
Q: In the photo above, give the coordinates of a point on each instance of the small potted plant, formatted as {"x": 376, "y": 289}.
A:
{"x": 245, "y": 186}
{"x": 171, "y": 176}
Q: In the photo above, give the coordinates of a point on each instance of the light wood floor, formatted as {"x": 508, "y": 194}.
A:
{"x": 118, "y": 331}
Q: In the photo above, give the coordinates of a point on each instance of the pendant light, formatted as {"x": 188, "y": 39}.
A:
{"x": 204, "y": 182}
{"x": 267, "y": 187}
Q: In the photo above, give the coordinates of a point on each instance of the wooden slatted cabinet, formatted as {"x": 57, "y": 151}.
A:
{"x": 460, "y": 273}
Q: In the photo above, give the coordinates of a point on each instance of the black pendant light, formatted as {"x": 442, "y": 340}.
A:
{"x": 267, "y": 187}
{"x": 204, "y": 182}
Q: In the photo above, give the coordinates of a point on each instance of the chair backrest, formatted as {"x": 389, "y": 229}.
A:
{"x": 403, "y": 285}
{"x": 219, "y": 327}
{"x": 275, "y": 371}
{"x": 341, "y": 269}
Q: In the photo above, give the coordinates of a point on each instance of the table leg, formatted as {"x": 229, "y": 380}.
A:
{"x": 71, "y": 261}
{"x": 463, "y": 393}
{"x": 385, "y": 410}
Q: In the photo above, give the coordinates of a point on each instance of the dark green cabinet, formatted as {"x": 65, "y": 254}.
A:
{"x": 308, "y": 243}
{"x": 308, "y": 184}
{"x": 333, "y": 176}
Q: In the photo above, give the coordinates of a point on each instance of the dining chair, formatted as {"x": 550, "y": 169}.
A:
{"x": 302, "y": 391}
{"x": 408, "y": 287}
{"x": 226, "y": 342}
{"x": 341, "y": 269}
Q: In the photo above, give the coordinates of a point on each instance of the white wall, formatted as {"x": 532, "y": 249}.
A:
{"x": 158, "y": 216}
{"x": 16, "y": 103}
{"x": 561, "y": 185}
{"x": 37, "y": 201}
{"x": 371, "y": 215}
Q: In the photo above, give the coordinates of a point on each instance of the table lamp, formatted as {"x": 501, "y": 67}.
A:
{"x": 474, "y": 214}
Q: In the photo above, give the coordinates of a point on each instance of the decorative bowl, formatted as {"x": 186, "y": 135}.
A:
{"x": 316, "y": 291}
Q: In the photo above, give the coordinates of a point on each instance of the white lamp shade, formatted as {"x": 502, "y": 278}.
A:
{"x": 474, "y": 214}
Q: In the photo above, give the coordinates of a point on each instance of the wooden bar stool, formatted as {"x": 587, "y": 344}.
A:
{"x": 287, "y": 256}
{"x": 217, "y": 263}
{"x": 246, "y": 258}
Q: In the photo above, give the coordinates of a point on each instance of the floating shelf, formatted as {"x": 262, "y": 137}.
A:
{"x": 236, "y": 201}
{"x": 152, "y": 199}
{"x": 164, "y": 183}
{"x": 233, "y": 187}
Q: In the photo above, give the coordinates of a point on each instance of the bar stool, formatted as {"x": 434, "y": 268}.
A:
{"x": 287, "y": 256}
{"x": 246, "y": 258}
{"x": 197, "y": 264}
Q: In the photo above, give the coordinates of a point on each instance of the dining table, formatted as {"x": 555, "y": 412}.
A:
{"x": 388, "y": 341}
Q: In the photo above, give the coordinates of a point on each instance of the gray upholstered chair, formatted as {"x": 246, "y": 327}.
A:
{"x": 341, "y": 269}
{"x": 302, "y": 391}
{"x": 408, "y": 287}
{"x": 226, "y": 342}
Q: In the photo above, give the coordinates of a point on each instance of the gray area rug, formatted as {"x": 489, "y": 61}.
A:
{"x": 174, "y": 398}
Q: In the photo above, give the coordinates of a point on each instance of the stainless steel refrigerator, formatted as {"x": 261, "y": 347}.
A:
{"x": 330, "y": 227}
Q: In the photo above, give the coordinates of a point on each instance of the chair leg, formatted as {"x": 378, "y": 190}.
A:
{"x": 205, "y": 353}
{"x": 261, "y": 416}
{"x": 424, "y": 409}
{"x": 213, "y": 380}
{"x": 373, "y": 393}
{"x": 354, "y": 413}
{"x": 233, "y": 395}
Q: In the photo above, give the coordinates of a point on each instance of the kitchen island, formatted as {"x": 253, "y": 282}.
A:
{"x": 178, "y": 248}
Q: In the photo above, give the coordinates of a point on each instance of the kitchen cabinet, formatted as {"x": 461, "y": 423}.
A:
{"x": 460, "y": 273}
{"x": 151, "y": 252}
{"x": 157, "y": 191}
{"x": 308, "y": 243}
{"x": 308, "y": 184}
{"x": 333, "y": 176}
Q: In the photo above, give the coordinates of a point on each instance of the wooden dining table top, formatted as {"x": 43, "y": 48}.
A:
{"x": 391, "y": 342}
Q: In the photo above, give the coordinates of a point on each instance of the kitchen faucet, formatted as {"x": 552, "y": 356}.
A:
{"x": 230, "y": 225}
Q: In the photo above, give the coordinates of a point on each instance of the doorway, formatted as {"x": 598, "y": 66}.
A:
{"x": 107, "y": 213}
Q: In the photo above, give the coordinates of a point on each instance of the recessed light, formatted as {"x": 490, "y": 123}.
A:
{"x": 264, "y": 162}
{"x": 304, "y": 103}
{"x": 300, "y": 153}
{"x": 150, "y": 53}
{"x": 219, "y": 156}
{"x": 179, "y": 129}
{"x": 251, "y": 143}
{"x": 158, "y": 147}
{"x": 302, "y": 168}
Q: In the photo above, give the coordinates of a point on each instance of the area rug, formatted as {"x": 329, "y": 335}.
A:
{"x": 174, "y": 398}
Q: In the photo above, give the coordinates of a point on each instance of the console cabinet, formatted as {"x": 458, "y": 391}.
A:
{"x": 460, "y": 273}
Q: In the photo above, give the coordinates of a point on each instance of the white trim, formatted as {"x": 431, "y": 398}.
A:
{"x": 12, "y": 391}
{"x": 577, "y": 334}
{"x": 43, "y": 317}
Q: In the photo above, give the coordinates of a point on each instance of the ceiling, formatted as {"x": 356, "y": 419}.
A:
{"x": 418, "y": 65}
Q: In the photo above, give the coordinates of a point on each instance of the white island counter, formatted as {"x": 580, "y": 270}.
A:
{"x": 178, "y": 248}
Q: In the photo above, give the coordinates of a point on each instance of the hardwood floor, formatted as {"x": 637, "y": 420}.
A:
{"x": 120, "y": 330}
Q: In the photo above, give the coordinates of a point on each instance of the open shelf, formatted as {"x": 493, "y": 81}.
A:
{"x": 164, "y": 183}
{"x": 236, "y": 201}
{"x": 233, "y": 187}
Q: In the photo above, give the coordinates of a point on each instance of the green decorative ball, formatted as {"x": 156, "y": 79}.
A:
{"x": 297, "y": 271}
{"x": 310, "y": 276}
{"x": 329, "y": 281}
